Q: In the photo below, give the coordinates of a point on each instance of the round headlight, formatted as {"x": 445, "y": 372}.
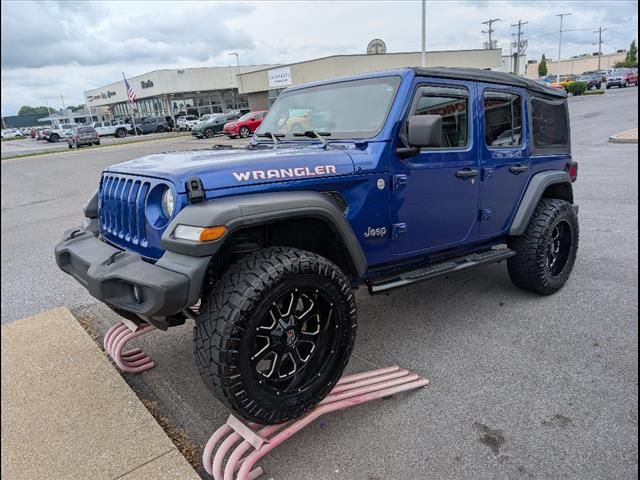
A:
{"x": 167, "y": 202}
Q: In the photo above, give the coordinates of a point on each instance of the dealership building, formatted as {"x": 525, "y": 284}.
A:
{"x": 198, "y": 91}
{"x": 164, "y": 93}
{"x": 262, "y": 86}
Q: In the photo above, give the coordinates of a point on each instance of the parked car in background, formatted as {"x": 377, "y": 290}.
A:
{"x": 592, "y": 80}
{"x": 622, "y": 77}
{"x": 117, "y": 128}
{"x": 186, "y": 122}
{"x": 245, "y": 125}
{"x": 83, "y": 136}
{"x": 61, "y": 132}
{"x": 213, "y": 125}
{"x": 41, "y": 132}
{"x": 10, "y": 133}
{"x": 153, "y": 125}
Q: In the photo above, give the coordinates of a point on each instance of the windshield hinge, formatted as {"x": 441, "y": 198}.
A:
{"x": 195, "y": 190}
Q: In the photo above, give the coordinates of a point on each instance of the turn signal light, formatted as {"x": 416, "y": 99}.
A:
{"x": 199, "y": 234}
{"x": 210, "y": 234}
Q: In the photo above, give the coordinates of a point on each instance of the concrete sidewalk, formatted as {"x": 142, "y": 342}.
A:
{"x": 629, "y": 136}
{"x": 68, "y": 414}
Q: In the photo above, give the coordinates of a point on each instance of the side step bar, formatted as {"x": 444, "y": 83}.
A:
{"x": 438, "y": 269}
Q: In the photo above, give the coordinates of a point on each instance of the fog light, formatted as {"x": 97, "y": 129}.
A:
{"x": 136, "y": 292}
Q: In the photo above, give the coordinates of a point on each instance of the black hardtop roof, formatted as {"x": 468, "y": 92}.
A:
{"x": 489, "y": 76}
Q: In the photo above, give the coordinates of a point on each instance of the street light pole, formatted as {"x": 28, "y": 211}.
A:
{"x": 561, "y": 15}
{"x": 237, "y": 71}
{"x": 423, "y": 56}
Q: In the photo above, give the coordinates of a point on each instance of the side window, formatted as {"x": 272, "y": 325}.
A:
{"x": 452, "y": 104}
{"x": 107, "y": 124}
{"x": 550, "y": 124}
{"x": 502, "y": 119}
{"x": 98, "y": 124}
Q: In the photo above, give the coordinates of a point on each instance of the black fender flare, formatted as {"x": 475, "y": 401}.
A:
{"x": 242, "y": 211}
{"x": 532, "y": 195}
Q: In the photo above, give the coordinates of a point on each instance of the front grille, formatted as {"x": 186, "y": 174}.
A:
{"x": 121, "y": 208}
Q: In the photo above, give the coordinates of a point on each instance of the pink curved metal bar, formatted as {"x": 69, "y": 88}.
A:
{"x": 349, "y": 391}
{"x": 134, "y": 360}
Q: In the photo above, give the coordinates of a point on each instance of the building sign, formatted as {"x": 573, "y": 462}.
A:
{"x": 146, "y": 84}
{"x": 103, "y": 95}
{"x": 279, "y": 77}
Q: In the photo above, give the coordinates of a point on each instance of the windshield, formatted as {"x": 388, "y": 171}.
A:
{"x": 346, "y": 110}
{"x": 246, "y": 116}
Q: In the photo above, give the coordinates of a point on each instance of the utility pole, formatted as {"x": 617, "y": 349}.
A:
{"x": 561, "y": 15}
{"x": 490, "y": 30}
{"x": 599, "y": 32}
{"x": 423, "y": 56}
{"x": 516, "y": 68}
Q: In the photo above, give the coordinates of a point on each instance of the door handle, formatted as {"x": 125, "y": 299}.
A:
{"x": 467, "y": 173}
{"x": 518, "y": 169}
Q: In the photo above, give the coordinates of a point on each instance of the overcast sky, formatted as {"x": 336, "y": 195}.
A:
{"x": 54, "y": 48}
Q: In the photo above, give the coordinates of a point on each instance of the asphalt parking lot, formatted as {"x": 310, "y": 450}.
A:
{"x": 30, "y": 146}
{"x": 521, "y": 386}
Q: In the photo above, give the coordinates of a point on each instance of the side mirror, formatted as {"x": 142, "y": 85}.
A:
{"x": 424, "y": 131}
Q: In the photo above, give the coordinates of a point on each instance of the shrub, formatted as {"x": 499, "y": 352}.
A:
{"x": 594, "y": 92}
{"x": 576, "y": 88}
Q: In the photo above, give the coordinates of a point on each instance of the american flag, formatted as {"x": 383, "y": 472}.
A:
{"x": 131, "y": 93}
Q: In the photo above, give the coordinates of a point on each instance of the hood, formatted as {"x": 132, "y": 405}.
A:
{"x": 240, "y": 167}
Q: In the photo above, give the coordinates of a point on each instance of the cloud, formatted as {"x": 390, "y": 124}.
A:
{"x": 52, "y": 48}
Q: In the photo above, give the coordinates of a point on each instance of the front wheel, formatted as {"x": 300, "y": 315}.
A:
{"x": 546, "y": 252}
{"x": 209, "y": 132}
{"x": 244, "y": 132}
{"x": 275, "y": 333}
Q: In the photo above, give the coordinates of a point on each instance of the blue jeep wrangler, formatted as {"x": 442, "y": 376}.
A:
{"x": 378, "y": 180}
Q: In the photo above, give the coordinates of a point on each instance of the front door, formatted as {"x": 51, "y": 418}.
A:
{"x": 505, "y": 158}
{"x": 434, "y": 202}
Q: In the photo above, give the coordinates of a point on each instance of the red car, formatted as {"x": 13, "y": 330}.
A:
{"x": 245, "y": 125}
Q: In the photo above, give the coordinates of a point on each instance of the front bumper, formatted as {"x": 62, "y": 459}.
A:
{"x": 109, "y": 274}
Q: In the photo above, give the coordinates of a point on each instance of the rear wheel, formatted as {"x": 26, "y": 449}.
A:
{"x": 161, "y": 129}
{"x": 275, "y": 333}
{"x": 546, "y": 252}
{"x": 121, "y": 133}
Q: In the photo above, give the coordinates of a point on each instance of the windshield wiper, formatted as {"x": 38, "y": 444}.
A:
{"x": 314, "y": 134}
{"x": 272, "y": 136}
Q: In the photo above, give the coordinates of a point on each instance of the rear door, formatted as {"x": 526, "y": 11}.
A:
{"x": 434, "y": 203}
{"x": 504, "y": 156}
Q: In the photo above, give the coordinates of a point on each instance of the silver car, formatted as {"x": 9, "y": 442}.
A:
{"x": 83, "y": 136}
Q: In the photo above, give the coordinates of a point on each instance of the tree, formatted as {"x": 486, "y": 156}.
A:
{"x": 78, "y": 108}
{"x": 27, "y": 110}
{"x": 632, "y": 55}
{"x": 542, "y": 66}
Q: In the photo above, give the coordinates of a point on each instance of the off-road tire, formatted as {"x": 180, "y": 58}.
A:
{"x": 529, "y": 269}
{"x": 161, "y": 129}
{"x": 121, "y": 133}
{"x": 55, "y": 138}
{"x": 233, "y": 311}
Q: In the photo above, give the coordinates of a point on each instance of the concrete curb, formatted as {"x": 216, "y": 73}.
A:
{"x": 68, "y": 414}
{"x": 629, "y": 136}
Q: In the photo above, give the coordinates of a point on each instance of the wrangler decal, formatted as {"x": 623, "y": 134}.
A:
{"x": 285, "y": 173}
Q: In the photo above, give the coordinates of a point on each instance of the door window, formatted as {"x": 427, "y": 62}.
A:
{"x": 98, "y": 124}
{"x": 107, "y": 124}
{"x": 502, "y": 119}
{"x": 452, "y": 104}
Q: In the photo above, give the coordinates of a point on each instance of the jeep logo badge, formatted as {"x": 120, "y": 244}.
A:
{"x": 375, "y": 232}
{"x": 291, "y": 337}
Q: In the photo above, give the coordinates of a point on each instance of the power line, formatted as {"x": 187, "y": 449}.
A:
{"x": 490, "y": 30}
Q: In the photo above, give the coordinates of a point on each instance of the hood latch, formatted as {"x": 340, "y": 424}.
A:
{"x": 195, "y": 190}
